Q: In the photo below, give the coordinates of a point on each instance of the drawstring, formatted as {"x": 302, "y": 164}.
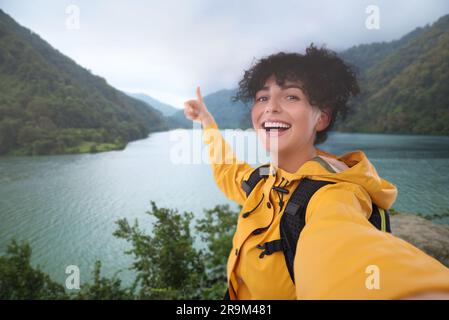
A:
{"x": 246, "y": 214}
{"x": 280, "y": 189}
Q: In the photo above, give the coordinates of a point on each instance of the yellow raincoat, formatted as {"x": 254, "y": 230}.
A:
{"x": 340, "y": 254}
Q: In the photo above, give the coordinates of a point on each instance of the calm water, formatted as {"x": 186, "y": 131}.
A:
{"x": 66, "y": 205}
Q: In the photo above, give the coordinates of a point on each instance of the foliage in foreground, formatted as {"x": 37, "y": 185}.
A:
{"x": 167, "y": 264}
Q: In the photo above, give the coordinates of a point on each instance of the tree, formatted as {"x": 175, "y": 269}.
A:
{"x": 8, "y": 134}
{"x": 103, "y": 288}
{"x": 217, "y": 230}
{"x": 167, "y": 264}
{"x": 19, "y": 280}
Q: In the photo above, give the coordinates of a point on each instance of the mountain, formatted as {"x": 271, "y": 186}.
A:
{"x": 227, "y": 114}
{"x": 364, "y": 56}
{"x": 405, "y": 83}
{"x": 49, "y": 104}
{"x": 166, "y": 109}
{"x": 404, "y": 86}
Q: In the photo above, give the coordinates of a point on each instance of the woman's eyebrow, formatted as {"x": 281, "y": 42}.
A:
{"x": 283, "y": 87}
{"x": 290, "y": 86}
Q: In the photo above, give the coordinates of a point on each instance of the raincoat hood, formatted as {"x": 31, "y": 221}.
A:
{"x": 361, "y": 171}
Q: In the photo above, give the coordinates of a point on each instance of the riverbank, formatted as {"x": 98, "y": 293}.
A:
{"x": 74, "y": 141}
{"x": 430, "y": 237}
{"x": 83, "y": 147}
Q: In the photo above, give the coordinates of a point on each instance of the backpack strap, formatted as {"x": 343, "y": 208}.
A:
{"x": 257, "y": 175}
{"x": 293, "y": 221}
{"x": 380, "y": 218}
{"x": 294, "y": 218}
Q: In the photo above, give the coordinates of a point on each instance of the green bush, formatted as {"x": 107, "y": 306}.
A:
{"x": 19, "y": 280}
{"x": 45, "y": 146}
{"x": 93, "y": 148}
{"x": 166, "y": 263}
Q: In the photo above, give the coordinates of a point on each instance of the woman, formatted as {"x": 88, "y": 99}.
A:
{"x": 340, "y": 254}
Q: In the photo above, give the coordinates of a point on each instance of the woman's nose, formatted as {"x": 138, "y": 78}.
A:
{"x": 273, "y": 106}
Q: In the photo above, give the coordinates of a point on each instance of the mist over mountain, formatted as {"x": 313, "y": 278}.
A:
{"x": 166, "y": 109}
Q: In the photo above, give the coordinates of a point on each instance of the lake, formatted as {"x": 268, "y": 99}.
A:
{"x": 66, "y": 205}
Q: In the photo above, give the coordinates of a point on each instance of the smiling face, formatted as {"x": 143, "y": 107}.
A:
{"x": 284, "y": 119}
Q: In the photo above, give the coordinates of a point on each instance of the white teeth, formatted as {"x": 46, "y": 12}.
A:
{"x": 276, "y": 125}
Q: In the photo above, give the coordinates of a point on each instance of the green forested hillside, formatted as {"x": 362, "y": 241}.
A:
{"x": 49, "y": 104}
{"x": 364, "y": 56}
{"x": 405, "y": 85}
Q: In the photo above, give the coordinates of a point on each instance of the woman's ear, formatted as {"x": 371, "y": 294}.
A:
{"x": 324, "y": 119}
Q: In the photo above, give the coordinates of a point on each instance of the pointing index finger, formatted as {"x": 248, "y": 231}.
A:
{"x": 198, "y": 94}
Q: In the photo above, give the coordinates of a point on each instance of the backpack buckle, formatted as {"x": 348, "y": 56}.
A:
{"x": 270, "y": 247}
{"x": 262, "y": 247}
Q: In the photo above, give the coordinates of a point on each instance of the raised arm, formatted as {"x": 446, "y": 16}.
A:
{"x": 228, "y": 171}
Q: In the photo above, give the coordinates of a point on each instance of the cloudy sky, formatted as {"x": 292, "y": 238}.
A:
{"x": 165, "y": 48}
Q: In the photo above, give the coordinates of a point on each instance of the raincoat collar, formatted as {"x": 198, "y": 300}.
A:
{"x": 361, "y": 171}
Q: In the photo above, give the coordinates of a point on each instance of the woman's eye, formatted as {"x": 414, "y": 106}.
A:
{"x": 261, "y": 99}
{"x": 292, "y": 97}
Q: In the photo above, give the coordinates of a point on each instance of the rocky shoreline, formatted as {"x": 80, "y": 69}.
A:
{"x": 430, "y": 237}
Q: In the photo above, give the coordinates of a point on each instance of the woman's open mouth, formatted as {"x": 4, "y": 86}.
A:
{"x": 275, "y": 128}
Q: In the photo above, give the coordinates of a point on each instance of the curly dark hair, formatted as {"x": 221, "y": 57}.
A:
{"x": 326, "y": 80}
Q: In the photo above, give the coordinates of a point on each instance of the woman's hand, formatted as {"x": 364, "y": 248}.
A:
{"x": 196, "y": 110}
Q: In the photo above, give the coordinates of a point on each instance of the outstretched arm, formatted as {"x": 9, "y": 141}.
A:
{"x": 340, "y": 255}
{"x": 228, "y": 171}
